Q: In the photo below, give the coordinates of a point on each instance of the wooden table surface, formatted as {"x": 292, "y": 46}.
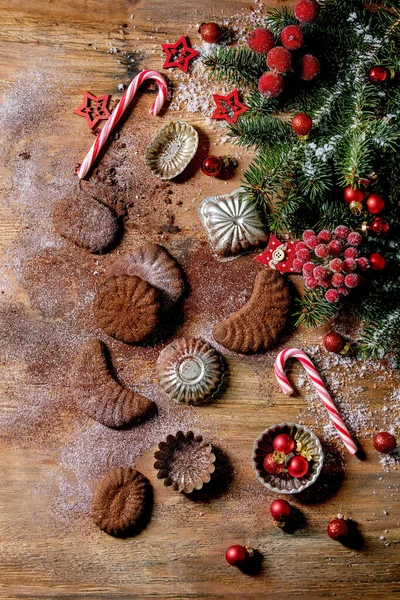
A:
{"x": 53, "y": 49}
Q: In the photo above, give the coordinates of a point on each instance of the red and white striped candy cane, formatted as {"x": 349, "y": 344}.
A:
{"x": 320, "y": 387}
{"x": 118, "y": 112}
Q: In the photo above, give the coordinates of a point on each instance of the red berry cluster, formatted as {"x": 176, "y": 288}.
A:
{"x": 330, "y": 260}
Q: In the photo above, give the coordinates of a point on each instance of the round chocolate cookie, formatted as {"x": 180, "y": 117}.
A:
{"x": 127, "y": 308}
{"x": 122, "y": 502}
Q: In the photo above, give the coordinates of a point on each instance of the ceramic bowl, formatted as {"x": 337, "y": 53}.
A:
{"x": 171, "y": 149}
{"x": 285, "y": 483}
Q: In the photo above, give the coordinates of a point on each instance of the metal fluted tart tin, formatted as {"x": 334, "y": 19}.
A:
{"x": 190, "y": 371}
{"x": 171, "y": 149}
{"x": 184, "y": 461}
{"x": 285, "y": 483}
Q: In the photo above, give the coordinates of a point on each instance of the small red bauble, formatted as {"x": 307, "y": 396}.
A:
{"x": 298, "y": 466}
{"x": 271, "y": 466}
{"x": 378, "y": 74}
{"x": 279, "y": 59}
{"x": 210, "y": 32}
{"x": 283, "y": 443}
{"x": 261, "y": 40}
{"x": 292, "y": 37}
{"x": 384, "y": 442}
{"x": 302, "y": 124}
{"x": 236, "y": 555}
{"x": 309, "y": 67}
{"x": 211, "y": 166}
{"x": 338, "y": 529}
{"x": 379, "y": 226}
{"x": 375, "y": 204}
{"x": 280, "y": 510}
{"x": 270, "y": 84}
{"x": 306, "y": 11}
{"x": 377, "y": 262}
{"x": 333, "y": 342}
{"x": 351, "y": 194}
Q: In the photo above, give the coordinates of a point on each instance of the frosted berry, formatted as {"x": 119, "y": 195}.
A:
{"x": 325, "y": 236}
{"x": 337, "y": 280}
{"x": 307, "y": 234}
{"x": 326, "y": 283}
{"x": 279, "y": 59}
{"x": 352, "y": 280}
{"x": 336, "y": 265}
{"x": 351, "y": 253}
{"x": 292, "y": 37}
{"x": 342, "y": 232}
{"x": 309, "y": 67}
{"x": 335, "y": 247}
{"x": 312, "y": 241}
{"x": 306, "y": 11}
{"x": 300, "y": 246}
{"x": 210, "y": 32}
{"x": 298, "y": 265}
{"x": 349, "y": 265}
{"x": 363, "y": 263}
{"x": 332, "y": 296}
{"x": 261, "y": 40}
{"x": 270, "y": 84}
{"x": 321, "y": 251}
{"x": 354, "y": 238}
{"x": 308, "y": 269}
{"x": 320, "y": 273}
{"x": 384, "y": 442}
{"x": 311, "y": 283}
{"x": 302, "y": 123}
{"x": 343, "y": 291}
{"x": 303, "y": 254}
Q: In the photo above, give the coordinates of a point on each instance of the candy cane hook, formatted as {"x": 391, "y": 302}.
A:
{"x": 320, "y": 387}
{"x": 118, "y": 112}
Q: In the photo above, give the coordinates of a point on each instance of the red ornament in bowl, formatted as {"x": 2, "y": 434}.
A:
{"x": 283, "y": 443}
{"x": 298, "y": 466}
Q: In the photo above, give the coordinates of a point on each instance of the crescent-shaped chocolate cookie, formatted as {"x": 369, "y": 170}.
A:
{"x": 122, "y": 501}
{"x": 127, "y": 308}
{"x": 256, "y": 326}
{"x": 100, "y": 396}
{"x": 152, "y": 263}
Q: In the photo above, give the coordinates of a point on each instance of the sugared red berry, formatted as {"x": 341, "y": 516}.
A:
{"x": 270, "y": 84}
{"x": 311, "y": 283}
{"x": 320, "y": 273}
{"x": 298, "y": 265}
{"x": 292, "y": 37}
{"x": 309, "y": 67}
{"x": 354, "y": 238}
{"x": 326, "y": 283}
{"x": 279, "y": 59}
{"x": 332, "y": 296}
{"x": 351, "y": 253}
{"x": 312, "y": 241}
{"x": 307, "y": 234}
{"x": 337, "y": 280}
{"x": 335, "y": 247}
{"x": 352, "y": 280}
{"x": 300, "y": 246}
{"x": 325, "y": 236}
{"x": 342, "y": 231}
{"x": 302, "y": 123}
{"x": 308, "y": 269}
{"x": 343, "y": 291}
{"x": 363, "y": 263}
{"x": 261, "y": 40}
{"x": 336, "y": 265}
{"x": 306, "y": 11}
{"x": 321, "y": 251}
{"x": 304, "y": 254}
{"x": 349, "y": 265}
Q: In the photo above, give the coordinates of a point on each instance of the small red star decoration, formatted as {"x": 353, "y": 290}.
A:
{"x": 178, "y": 54}
{"x": 228, "y": 107}
{"x": 93, "y": 108}
{"x": 278, "y": 255}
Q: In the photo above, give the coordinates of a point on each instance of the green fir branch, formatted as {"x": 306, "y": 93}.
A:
{"x": 313, "y": 310}
{"x": 235, "y": 65}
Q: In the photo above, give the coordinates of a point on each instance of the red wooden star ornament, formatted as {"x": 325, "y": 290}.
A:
{"x": 178, "y": 54}
{"x": 279, "y": 255}
{"x": 228, "y": 107}
{"x": 93, "y": 108}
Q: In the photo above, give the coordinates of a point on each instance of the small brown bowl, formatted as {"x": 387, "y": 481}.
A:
{"x": 285, "y": 483}
{"x": 184, "y": 461}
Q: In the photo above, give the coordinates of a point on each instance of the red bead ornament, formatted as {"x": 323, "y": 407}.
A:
{"x": 280, "y": 510}
{"x": 283, "y": 443}
{"x": 375, "y": 204}
{"x": 236, "y": 555}
{"x": 211, "y": 166}
{"x": 379, "y": 226}
{"x": 309, "y": 67}
{"x": 302, "y": 124}
{"x": 306, "y": 11}
{"x": 333, "y": 342}
{"x": 292, "y": 37}
{"x": 271, "y": 466}
{"x": 377, "y": 262}
{"x": 210, "y": 32}
{"x": 378, "y": 74}
{"x": 270, "y": 84}
{"x": 279, "y": 59}
{"x": 298, "y": 466}
{"x": 384, "y": 442}
{"x": 338, "y": 529}
{"x": 261, "y": 40}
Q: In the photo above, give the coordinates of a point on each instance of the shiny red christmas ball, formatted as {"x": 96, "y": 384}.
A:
{"x": 306, "y": 11}
{"x": 210, "y": 32}
{"x": 351, "y": 194}
{"x": 375, "y": 204}
{"x": 333, "y": 342}
{"x": 298, "y": 466}
{"x": 271, "y": 466}
{"x": 236, "y": 555}
{"x": 280, "y": 510}
{"x": 378, "y": 74}
{"x": 261, "y": 40}
{"x": 302, "y": 124}
{"x": 337, "y": 529}
{"x": 211, "y": 165}
{"x": 270, "y": 84}
{"x": 309, "y": 67}
{"x": 279, "y": 59}
{"x": 292, "y": 37}
{"x": 377, "y": 262}
{"x": 283, "y": 443}
{"x": 384, "y": 442}
{"x": 379, "y": 226}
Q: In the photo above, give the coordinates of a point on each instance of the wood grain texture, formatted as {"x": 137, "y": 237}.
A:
{"x": 180, "y": 555}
